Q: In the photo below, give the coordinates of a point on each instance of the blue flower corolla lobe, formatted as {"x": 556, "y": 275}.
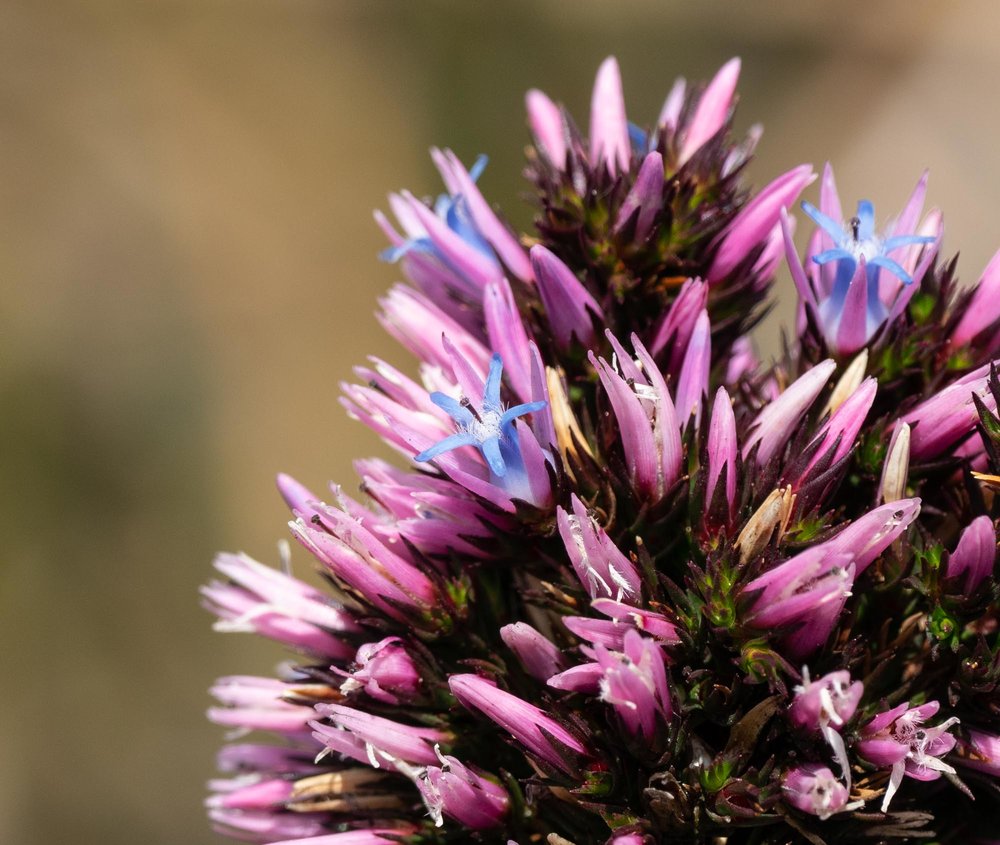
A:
{"x": 490, "y": 427}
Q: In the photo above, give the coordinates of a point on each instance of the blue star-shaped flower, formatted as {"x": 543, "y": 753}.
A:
{"x": 490, "y": 428}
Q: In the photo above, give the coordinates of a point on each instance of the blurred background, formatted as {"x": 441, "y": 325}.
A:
{"x": 188, "y": 269}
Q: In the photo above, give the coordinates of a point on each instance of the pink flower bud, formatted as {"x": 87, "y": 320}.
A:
{"x": 539, "y": 657}
{"x": 542, "y": 735}
{"x": 775, "y": 422}
{"x": 807, "y": 593}
{"x": 830, "y": 700}
{"x": 870, "y": 535}
{"x": 979, "y": 751}
{"x": 813, "y": 789}
{"x": 712, "y": 111}
{"x": 546, "y": 124}
{"x": 454, "y": 790}
{"x": 602, "y": 569}
{"x": 974, "y": 556}
{"x": 756, "y": 219}
{"x": 644, "y": 200}
{"x": 609, "y": 141}
{"x": 385, "y": 671}
{"x": 569, "y": 306}
{"x": 634, "y": 683}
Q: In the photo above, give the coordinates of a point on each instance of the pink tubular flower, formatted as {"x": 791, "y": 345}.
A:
{"x": 823, "y": 706}
{"x": 644, "y": 201}
{"x": 692, "y": 383}
{"x": 634, "y": 683}
{"x": 938, "y": 423}
{"x": 646, "y": 418}
{"x": 813, "y": 789}
{"x": 982, "y": 310}
{"x": 843, "y": 427}
{"x": 384, "y": 740}
{"x": 870, "y": 535}
{"x": 538, "y": 655}
{"x": 258, "y": 704}
{"x": 898, "y": 739}
{"x": 774, "y": 424}
{"x": 547, "y": 126}
{"x": 974, "y": 556}
{"x": 722, "y": 450}
{"x": 807, "y": 593}
{"x": 678, "y": 325}
{"x": 830, "y": 700}
{"x": 756, "y": 220}
{"x": 540, "y": 734}
{"x": 384, "y": 671}
{"x": 367, "y": 836}
{"x": 602, "y": 569}
{"x": 453, "y": 789}
{"x": 568, "y": 304}
{"x": 277, "y": 606}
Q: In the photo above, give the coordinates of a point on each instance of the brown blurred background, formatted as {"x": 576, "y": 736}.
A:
{"x": 187, "y": 263}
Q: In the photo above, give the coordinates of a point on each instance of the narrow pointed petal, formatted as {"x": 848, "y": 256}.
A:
{"x": 845, "y": 423}
{"x": 692, "y": 384}
{"x": 722, "y": 447}
{"x": 776, "y": 421}
{"x": 852, "y": 331}
{"x": 609, "y": 141}
{"x": 984, "y": 308}
{"x": 645, "y": 199}
{"x": 756, "y": 219}
{"x": 974, "y": 556}
{"x": 672, "y": 105}
{"x": 546, "y": 122}
{"x": 712, "y": 111}
{"x": 568, "y": 304}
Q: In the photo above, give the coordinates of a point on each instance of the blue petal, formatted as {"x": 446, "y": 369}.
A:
{"x": 637, "y": 136}
{"x": 512, "y": 414}
{"x": 460, "y": 222}
{"x": 453, "y": 408}
{"x": 905, "y": 240}
{"x": 478, "y": 166}
{"x": 835, "y": 254}
{"x": 491, "y": 451}
{"x": 892, "y": 267}
{"x": 393, "y": 253}
{"x": 491, "y": 395}
{"x": 866, "y": 220}
{"x": 827, "y": 224}
{"x": 462, "y": 438}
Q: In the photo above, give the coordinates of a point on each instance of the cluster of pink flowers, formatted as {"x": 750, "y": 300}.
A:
{"x": 627, "y": 584}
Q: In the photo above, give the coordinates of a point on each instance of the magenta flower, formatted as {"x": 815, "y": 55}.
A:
{"x": 805, "y": 595}
{"x": 385, "y": 671}
{"x": 578, "y": 605}
{"x": 813, "y": 789}
{"x": 899, "y": 739}
{"x": 454, "y": 790}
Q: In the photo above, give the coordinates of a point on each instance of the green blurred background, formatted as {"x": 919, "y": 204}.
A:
{"x": 187, "y": 262}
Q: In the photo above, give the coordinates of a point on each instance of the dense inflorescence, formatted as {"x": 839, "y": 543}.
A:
{"x": 629, "y": 585}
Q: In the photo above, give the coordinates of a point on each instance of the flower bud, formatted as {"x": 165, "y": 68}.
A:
{"x": 542, "y": 735}
{"x": 569, "y": 306}
{"x": 974, "y": 556}
{"x": 609, "y": 141}
{"x": 813, "y": 789}
{"x": 455, "y": 790}
{"x": 385, "y": 671}
{"x": 980, "y": 751}
{"x": 539, "y": 656}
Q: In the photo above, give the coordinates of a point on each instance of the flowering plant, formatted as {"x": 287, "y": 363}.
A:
{"x": 631, "y": 585}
